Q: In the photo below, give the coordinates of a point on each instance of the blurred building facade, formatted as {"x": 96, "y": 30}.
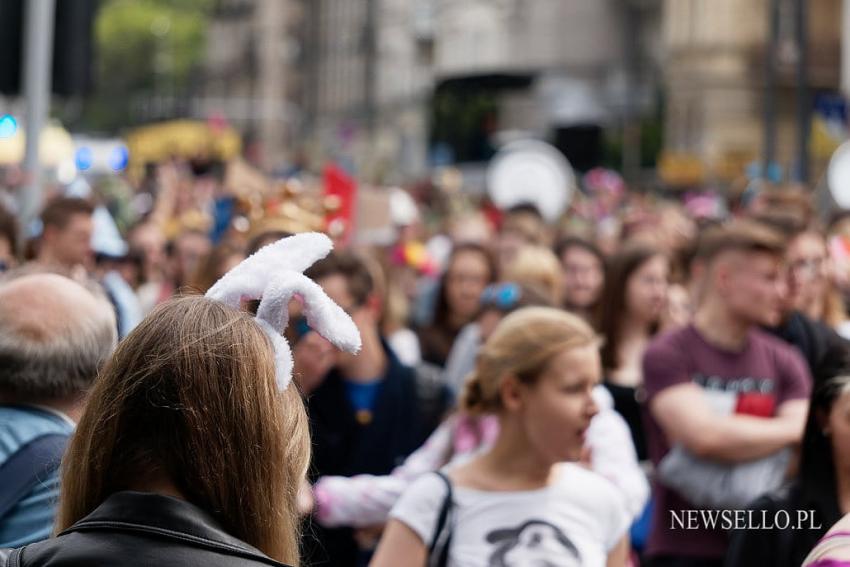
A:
{"x": 392, "y": 88}
{"x": 715, "y": 54}
{"x": 368, "y": 86}
{"x": 397, "y": 86}
{"x": 254, "y": 73}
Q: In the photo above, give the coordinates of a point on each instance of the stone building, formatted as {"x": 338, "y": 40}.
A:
{"x": 397, "y": 86}
{"x": 715, "y": 80}
{"x": 253, "y": 73}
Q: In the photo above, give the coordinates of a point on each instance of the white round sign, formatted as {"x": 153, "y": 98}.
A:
{"x": 838, "y": 175}
{"x": 531, "y": 171}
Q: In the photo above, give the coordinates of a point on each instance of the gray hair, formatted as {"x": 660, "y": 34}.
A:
{"x": 34, "y": 367}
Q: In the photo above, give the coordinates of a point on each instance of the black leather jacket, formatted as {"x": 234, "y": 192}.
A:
{"x": 136, "y": 529}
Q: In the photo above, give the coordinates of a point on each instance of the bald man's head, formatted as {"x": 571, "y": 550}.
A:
{"x": 54, "y": 335}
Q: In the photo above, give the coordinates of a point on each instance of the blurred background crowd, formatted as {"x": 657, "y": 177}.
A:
{"x": 468, "y": 159}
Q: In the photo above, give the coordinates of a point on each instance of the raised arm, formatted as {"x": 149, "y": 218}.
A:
{"x": 365, "y": 500}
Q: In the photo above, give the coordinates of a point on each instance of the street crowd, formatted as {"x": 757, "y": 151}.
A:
{"x": 587, "y": 392}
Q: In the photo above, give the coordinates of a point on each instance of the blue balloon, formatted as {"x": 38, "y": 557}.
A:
{"x": 8, "y": 126}
{"x": 118, "y": 158}
{"x": 84, "y": 158}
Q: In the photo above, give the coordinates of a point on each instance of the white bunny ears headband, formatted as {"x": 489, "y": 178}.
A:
{"x": 274, "y": 275}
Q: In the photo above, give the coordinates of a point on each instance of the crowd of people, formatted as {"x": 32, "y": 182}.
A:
{"x": 523, "y": 392}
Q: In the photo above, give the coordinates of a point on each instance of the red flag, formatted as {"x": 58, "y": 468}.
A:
{"x": 340, "y": 222}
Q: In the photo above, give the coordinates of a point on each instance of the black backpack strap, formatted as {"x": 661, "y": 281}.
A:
{"x": 28, "y": 466}
{"x": 438, "y": 551}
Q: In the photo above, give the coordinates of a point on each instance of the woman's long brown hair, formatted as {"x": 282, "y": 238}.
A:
{"x": 189, "y": 397}
{"x": 611, "y": 309}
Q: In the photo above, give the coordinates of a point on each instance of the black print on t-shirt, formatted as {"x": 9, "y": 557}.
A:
{"x": 745, "y": 385}
{"x": 747, "y": 395}
{"x": 536, "y": 542}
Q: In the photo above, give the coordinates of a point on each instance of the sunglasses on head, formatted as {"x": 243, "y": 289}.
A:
{"x": 503, "y": 296}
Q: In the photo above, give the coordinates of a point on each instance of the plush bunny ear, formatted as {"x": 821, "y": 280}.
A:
{"x": 323, "y": 315}
{"x": 283, "y": 362}
{"x": 250, "y": 277}
{"x": 273, "y": 273}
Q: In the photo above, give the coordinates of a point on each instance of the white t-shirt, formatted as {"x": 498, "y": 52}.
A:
{"x": 575, "y": 521}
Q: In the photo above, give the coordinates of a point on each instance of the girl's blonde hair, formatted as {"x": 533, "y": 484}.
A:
{"x": 189, "y": 397}
{"x": 539, "y": 267}
{"x": 523, "y": 345}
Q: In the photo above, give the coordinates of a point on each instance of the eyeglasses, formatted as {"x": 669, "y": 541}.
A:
{"x": 807, "y": 267}
{"x": 502, "y": 296}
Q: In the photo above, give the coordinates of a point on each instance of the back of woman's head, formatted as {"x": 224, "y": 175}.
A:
{"x": 189, "y": 398}
{"x": 539, "y": 267}
{"x": 522, "y": 345}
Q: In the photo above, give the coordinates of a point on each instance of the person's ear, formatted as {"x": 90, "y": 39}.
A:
{"x": 511, "y": 392}
{"x": 719, "y": 276}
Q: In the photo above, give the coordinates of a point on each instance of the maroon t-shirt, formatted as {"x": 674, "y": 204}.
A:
{"x": 753, "y": 381}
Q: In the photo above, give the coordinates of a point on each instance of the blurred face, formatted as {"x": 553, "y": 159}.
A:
{"x": 555, "y": 411}
{"x": 336, "y": 287}
{"x": 508, "y": 247}
{"x": 71, "y": 245}
{"x": 752, "y": 285}
{"x": 646, "y": 290}
{"x": 807, "y": 270}
{"x": 151, "y": 242}
{"x": 679, "y": 309}
{"x": 191, "y": 249}
{"x": 583, "y": 277}
{"x": 467, "y": 277}
{"x": 229, "y": 263}
{"x": 677, "y": 229}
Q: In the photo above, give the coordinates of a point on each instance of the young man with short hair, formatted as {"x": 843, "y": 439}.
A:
{"x": 365, "y": 413}
{"x": 66, "y": 235}
{"x": 721, "y": 388}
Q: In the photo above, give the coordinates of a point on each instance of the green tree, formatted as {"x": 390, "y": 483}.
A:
{"x": 143, "y": 47}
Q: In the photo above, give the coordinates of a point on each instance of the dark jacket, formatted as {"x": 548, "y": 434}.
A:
{"x": 344, "y": 446}
{"x": 826, "y": 353}
{"x": 136, "y": 529}
{"x": 781, "y": 547}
